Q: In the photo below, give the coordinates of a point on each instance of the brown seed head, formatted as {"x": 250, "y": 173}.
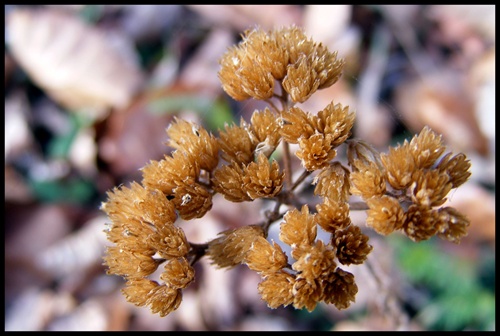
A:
{"x": 332, "y": 215}
{"x": 264, "y": 257}
{"x": 231, "y": 247}
{"x": 385, "y": 214}
{"x": 276, "y": 289}
{"x": 351, "y": 245}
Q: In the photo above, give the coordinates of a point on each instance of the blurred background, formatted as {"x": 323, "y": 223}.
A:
{"x": 90, "y": 90}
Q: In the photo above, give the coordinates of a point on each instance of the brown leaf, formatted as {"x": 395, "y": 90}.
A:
{"x": 133, "y": 137}
{"x": 479, "y": 206}
{"x": 34, "y": 308}
{"x": 241, "y": 17}
{"x": 442, "y": 102}
{"x": 74, "y": 63}
{"x": 76, "y": 252}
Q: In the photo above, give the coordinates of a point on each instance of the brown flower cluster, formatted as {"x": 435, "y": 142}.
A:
{"x": 402, "y": 189}
{"x": 405, "y": 187}
{"x": 142, "y": 229}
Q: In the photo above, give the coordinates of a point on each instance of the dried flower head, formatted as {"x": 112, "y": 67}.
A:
{"x": 399, "y": 164}
{"x": 368, "y": 180}
{"x": 262, "y": 179}
{"x": 296, "y": 124}
{"x": 426, "y": 147}
{"x": 316, "y": 151}
{"x": 457, "y": 168}
{"x": 335, "y": 121}
{"x": 250, "y": 69}
{"x": 228, "y": 181}
{"x": 265, "y": 258}
{"x": 194, "y": 140}
{"x": 298, "y": 230}
{"x": 351, "y": 245}
{"x": 421, "y": 222}
{"x": 385, "y": 214}
{"x": 170, "y": 172}
{"x": 452, "y": 224}
{"x": 316, "y": 261}
{"x": 238, "y": 143}
{"x": 163, "y": 300}
{"x": 333, "y": 182}
{"x": 401, "y": 190}
{"x": 276, "y": 289}
{"x": 265, "y": 126}
{"x": 232, "y": 246}
{"x": 332, "y": 215}
{"x": 340, "y": 289}
{"x": 360, "y": 154}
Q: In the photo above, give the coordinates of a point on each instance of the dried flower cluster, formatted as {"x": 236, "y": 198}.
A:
{"x": 402, "y": 189}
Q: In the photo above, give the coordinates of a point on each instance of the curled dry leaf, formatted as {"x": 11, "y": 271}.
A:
{"x": 74, "y": 63}
{"x": 76, "y": 252}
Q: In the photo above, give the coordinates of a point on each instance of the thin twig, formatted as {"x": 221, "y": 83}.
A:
{"x": 358, "y": 206}
{"x": 390, "y": 304}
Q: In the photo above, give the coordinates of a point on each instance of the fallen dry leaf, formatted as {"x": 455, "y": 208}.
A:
{"x": 35, "y": 308}
{"x": 441, "y": 101}
{"x": 74, "y": 63}
{"x": 242, "y": 17}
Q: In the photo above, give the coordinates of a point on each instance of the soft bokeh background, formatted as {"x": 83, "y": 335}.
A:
{"x": 90, "y": 90}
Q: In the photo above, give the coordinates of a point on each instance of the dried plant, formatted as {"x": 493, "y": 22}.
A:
{"x": 402, "y": 190}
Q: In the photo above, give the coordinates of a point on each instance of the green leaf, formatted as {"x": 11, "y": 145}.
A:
{"x": 214, "y": 112}
{"x": 77, "y": 191}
